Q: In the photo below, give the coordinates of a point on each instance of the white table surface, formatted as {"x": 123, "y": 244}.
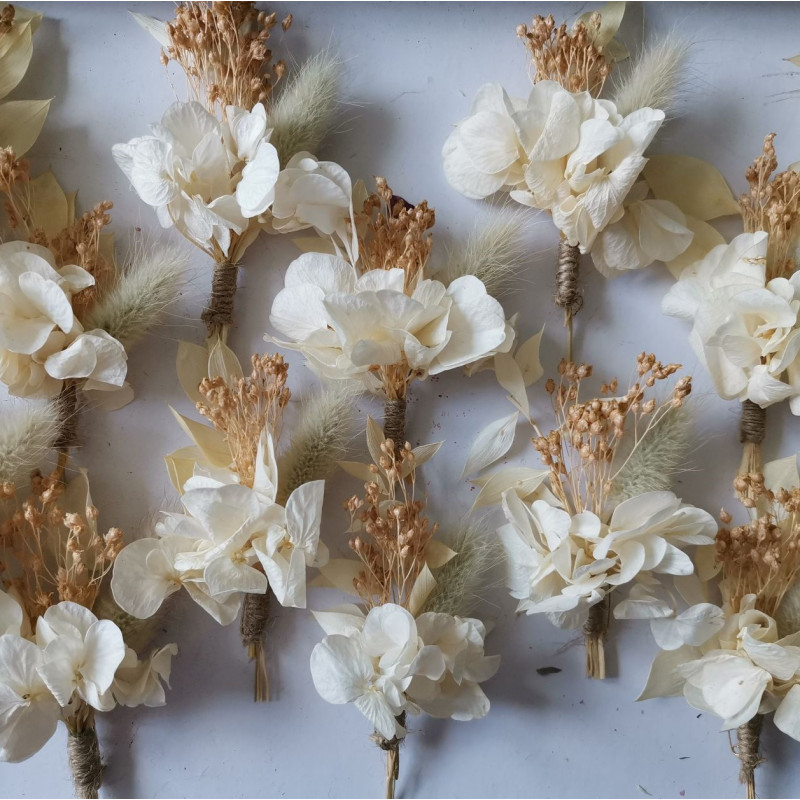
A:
{"x": 412, "y": 70}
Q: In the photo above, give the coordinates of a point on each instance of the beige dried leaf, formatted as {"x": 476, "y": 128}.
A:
{"x": 21, "y": 123}
{"x": 706, "y": 237}
{"x": 49, "y": 205}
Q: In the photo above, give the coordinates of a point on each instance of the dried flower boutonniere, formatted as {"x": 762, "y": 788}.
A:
{"x": 410, "y": 646}
{"x": 566, "y": 151}
{"x": 601, "y": 517}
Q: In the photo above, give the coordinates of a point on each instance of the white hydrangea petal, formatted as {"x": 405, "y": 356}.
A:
{"x": 340, "y": 669}
{"x": 787, "y": 715}
{"x": 103, "y": 653}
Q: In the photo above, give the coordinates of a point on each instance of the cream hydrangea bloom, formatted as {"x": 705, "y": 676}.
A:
{"x": 204, "y": 177}
{"x": 345, "y": 324}
{"x": 42, "y": 343}
{"x": 562, "y": 565}
{"x": 745, "y": 329}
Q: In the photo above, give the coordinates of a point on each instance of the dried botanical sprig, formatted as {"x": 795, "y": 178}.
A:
{"x": 655, "y": 77}
{"x": 222, "y": 48}
{"x": 569, "y": 57}
{"x": 772, "y": 204}
{"x": 28, "y": 431}
{"x": 245, "y": 408}
{"x": 54, "y": 554}
{"x": 141, "y": 293}
{"x": 581, "y": 452}
{"x": 761, "y": 557}
{"x": 396, "y": 531}
{"x": 305, "y": 109}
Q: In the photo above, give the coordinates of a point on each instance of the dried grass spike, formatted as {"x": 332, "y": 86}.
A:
{"x": 27, "y": 433}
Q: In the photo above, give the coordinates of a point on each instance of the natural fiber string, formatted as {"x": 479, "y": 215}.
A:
{"x": 84, "y": 754}
{"x": 394, "y": 421}
{"x": 66, "y": 408}
{"x": 594, "y": 633}
{"x": 752, "y": 427}
{"x": 219, "y": 311}
{"x": 747, "y": 744}
{"x": 255, "y": 613}
{"x": 568, "y": 290}
{"x": 392, "y": 749}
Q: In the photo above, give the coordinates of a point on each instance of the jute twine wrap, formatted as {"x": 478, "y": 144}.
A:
{"x": 219, "y": 311}
{"x": 747, "y": 743}
{"x": 394, "y": 421}
{"x": 594, "y": 634}
{"x": 568, "y": 289}
{"x": 255, "y": 613}
{"x": 392, "y": 749}
{"x": 752, "y": 426}
{"x": 84, "y": 754}
{"x": 67, "y": 410}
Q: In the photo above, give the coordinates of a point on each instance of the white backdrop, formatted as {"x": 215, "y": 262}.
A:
{"x": 412, "y": 71}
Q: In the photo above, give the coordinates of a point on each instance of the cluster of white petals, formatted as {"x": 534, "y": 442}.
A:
{"x": 733, "y": 665}
{"x": 388, "y": 663}
{"x": 745, "y": 329}
{"x": 212, "y": 549}
{"x": 71, "y": 656}
{"x": 205, "y": 177}
{"x": 346, "y": 324}
{"x": 576, "y": 157}
{"x": 562, "y": 565}
{"x": 42, "y": 343}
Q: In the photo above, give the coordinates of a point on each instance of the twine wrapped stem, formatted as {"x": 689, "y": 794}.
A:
{"x": 84, "y": 753}
{"x": 392, "y": 749}
{"x": 253, "y": 623}
{"x": 219, "y": 312}
{"x": 747, "y": 744}
{"x": 394, "y": 421}
{"x": 66, "y": 407}
{"x": 594, "y": 634}
{"x": 568, "y": 289}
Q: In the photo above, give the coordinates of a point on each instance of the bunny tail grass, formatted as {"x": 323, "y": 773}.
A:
{"x": 27, "y": 433}
{"x": 148, "y": 285}
{"x": 459, "y": 583}
{"x": 655, "y": 78}
{"x": 319, "y": 439}
{"x": 304, "y": 113}
{"x": 652, "y": 466}
{"x": 494, "y": 253}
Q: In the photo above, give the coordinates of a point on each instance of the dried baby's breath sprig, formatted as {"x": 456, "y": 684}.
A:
{"x": 57, "y": 555}
{"x": 581, "y": 452}
{"x": 223, "y": 49}
{"x": 772, "y": 204}
{"x": 249, "y": 406}
{"x": 761, "y": 557}
{"x": 569, "y": 57}
{"x": 396, "y": 531}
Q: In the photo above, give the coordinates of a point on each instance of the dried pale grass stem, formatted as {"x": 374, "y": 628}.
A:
{"x": 67, "y": 411}
{"x": 747, "y": 751}
{"x": 84, "y": 753}
{"x": 595, "y": 631}
{"x": 392, "y": 749}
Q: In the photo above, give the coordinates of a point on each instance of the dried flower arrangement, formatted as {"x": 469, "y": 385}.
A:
{"x": 739, "y": 660}
{"x": 410, "y": 646}
{"x": 566, "y": 151}
{"x": 68, "y": 316}
{"x": 232, "y": 162}
{"x": 601, "y": 516}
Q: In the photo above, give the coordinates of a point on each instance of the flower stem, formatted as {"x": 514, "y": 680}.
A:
{"x": 594, "y": 633}
{"x": 747, "y": 744}
{"x": 392, "y": 749}
{"x": 394, "y": 421}
{"x": 84, "y": 752}
{"x": 569, "y": 296}
{"x": 218, "y": 314}
{"x": 255, "y": 614}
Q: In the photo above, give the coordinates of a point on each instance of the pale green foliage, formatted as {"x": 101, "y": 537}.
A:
{"x": 27, "y": 432}
{"x": 788, "y": 616}
{"x": 493, "y": 253}
{"x": 461, "y": 581}
{"x": 137, "y": 633}
{"x": 304, "y": 112}
{"x": 660, "y": 455}
{"x": 149, "y": 284}
{"x": 319, "y": 439}
{"x": 655, "y": 77}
